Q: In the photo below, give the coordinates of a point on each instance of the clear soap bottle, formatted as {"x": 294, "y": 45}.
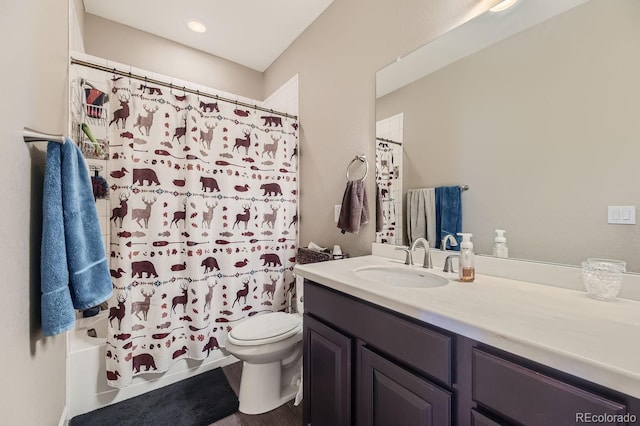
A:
{"x": 500, "y": 248}
{"x": 466, "y": 270}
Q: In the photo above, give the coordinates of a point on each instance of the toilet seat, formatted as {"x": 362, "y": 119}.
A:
{"x": 267, "y": 328}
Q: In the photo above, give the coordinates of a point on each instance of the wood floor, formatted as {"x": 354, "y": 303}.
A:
{"x": 286, "y": 415}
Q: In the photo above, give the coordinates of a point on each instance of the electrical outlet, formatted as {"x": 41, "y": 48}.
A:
{"x": 336, "y": 212}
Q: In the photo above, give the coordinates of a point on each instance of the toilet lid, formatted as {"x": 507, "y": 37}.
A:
{"x": 266, "y": 326}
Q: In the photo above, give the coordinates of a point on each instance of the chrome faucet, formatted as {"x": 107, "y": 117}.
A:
{"x": 449, "y": 238}
{"x": 427, "y": 263}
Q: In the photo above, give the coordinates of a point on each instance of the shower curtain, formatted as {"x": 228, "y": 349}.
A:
{"x": 388, "y": 180}
{"x": 203, "y": 223}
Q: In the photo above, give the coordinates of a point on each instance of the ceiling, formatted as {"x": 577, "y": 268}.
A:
{"x": 252, "y": 33}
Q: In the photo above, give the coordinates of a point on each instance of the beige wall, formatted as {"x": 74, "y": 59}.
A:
{"x": 76, "y": 26}
{"x": 120, "y": 43}
{"x": 544, "y": 128}
{"x": 34, "y": 94}
{"x": 337, "y": 58}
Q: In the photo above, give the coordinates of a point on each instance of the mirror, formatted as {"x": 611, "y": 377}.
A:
{"x": 389, "y": 136}
{"x": 537, "y": 110}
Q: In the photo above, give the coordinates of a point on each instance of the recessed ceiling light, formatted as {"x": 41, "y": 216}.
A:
{"x": 196, "y": 26}
{"x": 504, "y": 5}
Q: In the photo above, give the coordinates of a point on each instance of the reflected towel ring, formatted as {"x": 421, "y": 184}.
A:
{"x": 362, "y": 158}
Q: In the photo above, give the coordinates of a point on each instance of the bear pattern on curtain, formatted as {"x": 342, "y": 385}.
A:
{"x": 203, "y": 223}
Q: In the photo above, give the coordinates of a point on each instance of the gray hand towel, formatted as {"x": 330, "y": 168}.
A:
{"x": 421, "y": 215}
{"x": 354, "y": 210}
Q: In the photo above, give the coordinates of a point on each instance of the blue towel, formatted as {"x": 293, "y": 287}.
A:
{"x": 448, "y": 213}
{"x": 73, "y": 267}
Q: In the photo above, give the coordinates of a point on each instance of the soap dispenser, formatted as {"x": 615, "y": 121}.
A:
{"x": 500, "y": 248}
{"x": 466, "y": 270}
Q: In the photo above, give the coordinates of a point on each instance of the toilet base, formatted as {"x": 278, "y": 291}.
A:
{"x": 265, "y": 387}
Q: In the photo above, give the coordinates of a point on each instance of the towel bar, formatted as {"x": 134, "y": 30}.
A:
{"x": 31, "y": 135}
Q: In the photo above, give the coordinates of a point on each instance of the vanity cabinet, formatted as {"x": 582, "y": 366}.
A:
{"x": 327, "y": 374}
{"x": 389, "y": 394}
{"x": 478, "y": 419}
{"x": 531, "y": 397}
{"x": 368, "y": 365}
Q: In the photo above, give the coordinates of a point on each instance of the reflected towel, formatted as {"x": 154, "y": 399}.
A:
{"x": 421, "y": 214}
{"x": 379, "y": 207}
{"x": 354, "y": 210}
{"x": 448, "y": 213}
{"x": 74, "y": 269}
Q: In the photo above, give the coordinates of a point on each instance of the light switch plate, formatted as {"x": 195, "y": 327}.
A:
{"x": 336, "y": 213}
{"x": 622, "y": 215}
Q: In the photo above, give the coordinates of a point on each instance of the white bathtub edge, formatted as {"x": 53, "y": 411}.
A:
{"x": 85, "y": 394}
{"x": 63, "y": 417}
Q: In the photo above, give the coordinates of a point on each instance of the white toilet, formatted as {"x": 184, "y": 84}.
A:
{"x": 270, "y": 345}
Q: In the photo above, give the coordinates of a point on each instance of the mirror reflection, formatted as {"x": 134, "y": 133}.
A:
{"x": 389, "y": 178}
{"x": 542, "y": 124}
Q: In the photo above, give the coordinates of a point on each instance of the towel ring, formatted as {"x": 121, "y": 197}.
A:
{"x": 363, "y": 159}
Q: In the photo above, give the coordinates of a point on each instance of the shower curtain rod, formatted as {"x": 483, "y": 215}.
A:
{"x": 173, "y": 86}
{"x": 388, "y": 140}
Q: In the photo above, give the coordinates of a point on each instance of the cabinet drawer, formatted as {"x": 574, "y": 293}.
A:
{"x": 422, "y": 348}
{"x": 532, "y": 398}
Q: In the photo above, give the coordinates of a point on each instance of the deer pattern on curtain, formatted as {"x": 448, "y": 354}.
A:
{"x": 203, "y": 224}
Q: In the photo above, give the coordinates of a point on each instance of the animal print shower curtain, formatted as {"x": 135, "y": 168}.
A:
{"x": 203, "y": 223}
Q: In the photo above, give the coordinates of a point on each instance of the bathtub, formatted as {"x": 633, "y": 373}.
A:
{"x": 87, "y": 388}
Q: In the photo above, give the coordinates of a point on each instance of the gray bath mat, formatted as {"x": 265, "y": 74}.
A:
{"x": 197, "y": 401}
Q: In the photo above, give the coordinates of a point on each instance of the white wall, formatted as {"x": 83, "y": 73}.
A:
{"x": 107, "y": 39}
{"x": 546, "y": 138}
{"x": 336, "y": 59}
{"x": 34, "y": 94}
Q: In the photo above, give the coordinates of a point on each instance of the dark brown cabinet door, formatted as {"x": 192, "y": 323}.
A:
{"x": 327, "y": 375}
{"x": 389, "y": 395}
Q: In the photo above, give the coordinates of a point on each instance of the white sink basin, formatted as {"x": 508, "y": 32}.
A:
{"x": 401, "y": 276}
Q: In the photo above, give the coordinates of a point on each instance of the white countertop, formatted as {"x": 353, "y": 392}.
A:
{"x": 558, "y": 327}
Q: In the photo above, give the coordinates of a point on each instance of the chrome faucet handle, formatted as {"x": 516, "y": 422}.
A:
{"x": 409, "y": 258}
{"x": 448, "y": 263}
